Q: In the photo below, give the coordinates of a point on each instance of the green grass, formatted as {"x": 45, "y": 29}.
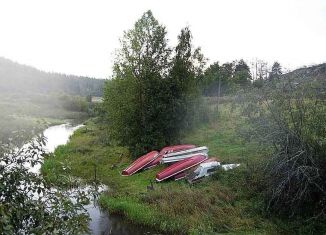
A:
{"x": 223, "y": 203}
{"x": 222, "y": 139}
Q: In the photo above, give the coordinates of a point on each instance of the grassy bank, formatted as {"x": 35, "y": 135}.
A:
{"x": 222, "y": 203}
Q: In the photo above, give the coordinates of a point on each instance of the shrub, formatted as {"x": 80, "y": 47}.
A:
{"x": 290, "y": 116}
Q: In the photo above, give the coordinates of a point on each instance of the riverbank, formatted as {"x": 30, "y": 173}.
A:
{"x": 30, "y": 114}
{"x": 223, "y": 203}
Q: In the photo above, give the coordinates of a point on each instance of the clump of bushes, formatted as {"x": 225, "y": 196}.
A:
{"x": 290, "y": 116}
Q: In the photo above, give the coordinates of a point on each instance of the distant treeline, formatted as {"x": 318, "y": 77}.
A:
{"x": 228, "y": 78}
{"x": 17, "y": 78}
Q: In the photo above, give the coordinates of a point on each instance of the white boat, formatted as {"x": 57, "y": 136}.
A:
{"x": 178, "y": 156}
{"x": 203, "y": 170}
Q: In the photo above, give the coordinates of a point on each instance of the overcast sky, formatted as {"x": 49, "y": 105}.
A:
{"x": 79, "y": 37}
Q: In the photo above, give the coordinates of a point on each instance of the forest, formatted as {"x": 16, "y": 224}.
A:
{"x": 22, "y": 79}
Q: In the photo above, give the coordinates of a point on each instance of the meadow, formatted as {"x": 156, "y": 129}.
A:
{"x": 226, "y": 202}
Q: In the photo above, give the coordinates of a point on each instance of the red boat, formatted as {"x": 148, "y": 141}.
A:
{"x": 140, "y": 163}
{"x": 180, "y": 176}
{"x": 176, "y": 148}
{"x": 180, "y": 166}
{"x": 169, "y": 149}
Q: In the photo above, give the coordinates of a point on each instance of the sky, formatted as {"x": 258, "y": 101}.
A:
{"x": 79, "y": 37}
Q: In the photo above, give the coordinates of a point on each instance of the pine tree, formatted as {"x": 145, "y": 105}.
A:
{"x": 276, "y": 71}
{"x": 242, "y": 75}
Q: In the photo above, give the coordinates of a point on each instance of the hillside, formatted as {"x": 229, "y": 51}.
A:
{"x": 32, "y": 99}
{"x": 22, "y": 79}
{"x": 313, "y": 72}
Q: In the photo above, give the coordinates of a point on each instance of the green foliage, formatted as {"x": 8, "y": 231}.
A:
{"x": 242, "y": 74}
{"x": 27, "y": 204}
{"x": 211, "y": 79}
{"x": 151, "y": 94}
{"x": 228, "y": 78}
{"x": 183, "y": 88}
{"x": 73, "y": 103}
{"x": 276, "y": 71}
{"x": 290, "y": 115}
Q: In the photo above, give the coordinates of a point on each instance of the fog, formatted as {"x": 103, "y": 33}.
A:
{"x": 30, "y": 99}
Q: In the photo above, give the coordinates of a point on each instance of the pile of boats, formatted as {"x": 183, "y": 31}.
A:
{"x": 184, "y": 161}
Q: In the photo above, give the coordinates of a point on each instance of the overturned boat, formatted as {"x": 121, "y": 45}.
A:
{"x": 180, "y": 166}
{"x": 169, "y": 149}
{"x": 180, "y": 155}
{"x": 207, "y": 168}
{"x": 140, "y": 163}
{"x": 203, "y": 170}
{"x": 185, "y": 173}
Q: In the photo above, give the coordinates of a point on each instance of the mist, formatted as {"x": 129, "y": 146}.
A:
{"x": 31, "y": 99}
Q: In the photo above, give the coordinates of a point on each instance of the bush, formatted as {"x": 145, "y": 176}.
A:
{"x": 290, "y": 116}
{"x": 28, "y": 205}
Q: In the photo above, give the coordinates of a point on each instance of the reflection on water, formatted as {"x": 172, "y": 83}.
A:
{"x": 58, "y": 135}
{"x": 55, "y": 136}
{"x": 101, "y": 222}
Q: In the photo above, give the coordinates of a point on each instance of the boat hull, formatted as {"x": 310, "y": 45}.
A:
{"x": 176, "y": 148}
{"x": 180, "y": 155}
{"x": 183, "y": 174}
{"x": 180, "y": 176}
{"x": 204, "y": 169}
{"x": 140, "y": 163}
{"x": 180, "y": 166}
{"x": 169, "y": 149}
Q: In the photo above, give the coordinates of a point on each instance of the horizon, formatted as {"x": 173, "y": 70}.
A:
{"x": 79, "y": 38}
{"x": 83, "y": 76}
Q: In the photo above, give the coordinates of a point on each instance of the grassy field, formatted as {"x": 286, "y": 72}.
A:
{"x": 228, "y": 202}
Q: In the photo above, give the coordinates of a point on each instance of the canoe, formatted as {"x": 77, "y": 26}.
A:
{"x": 169, "y": 149}
{"x": 180, "y": 155}
{"x": 176, "y": 148}
{"x": 180, "y": 166}
{"x": 140, "y": 163}
{"x": 180, "y": 176}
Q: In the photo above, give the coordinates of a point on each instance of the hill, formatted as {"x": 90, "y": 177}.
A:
{"x": 22, "y": 79}
{"x": 313, "y": 72}
{"x": 31, "y": 99}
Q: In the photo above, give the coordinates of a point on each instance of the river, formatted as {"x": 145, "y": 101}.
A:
{"x": 101, "y": 223}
